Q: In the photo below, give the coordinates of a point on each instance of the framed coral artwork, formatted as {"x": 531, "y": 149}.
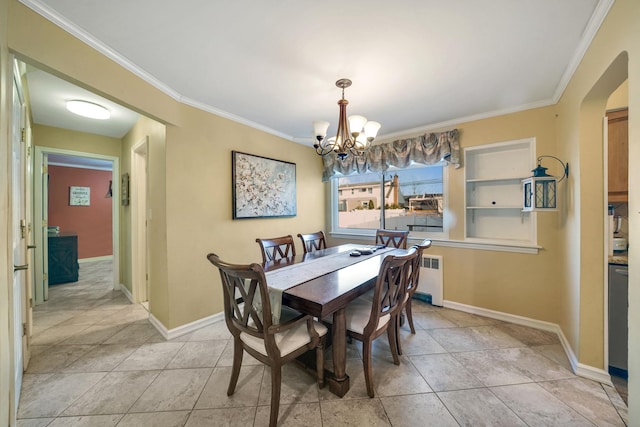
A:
{"x": 262, "y": 187}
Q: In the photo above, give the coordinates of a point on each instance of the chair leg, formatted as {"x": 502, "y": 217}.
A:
{"x": 398, "y": 343}
{"x": 393, "y": 342}
{"x": 320, "y": 362}
{"x": 368, "y": 370}
{"x": 237, "y": 364}
{"x": 276, "y": 382}
{"x": 410, "y": 316}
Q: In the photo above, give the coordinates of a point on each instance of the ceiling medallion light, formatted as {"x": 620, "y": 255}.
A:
{"x": 354, "y": 135}
{"x": 88, "y": 109}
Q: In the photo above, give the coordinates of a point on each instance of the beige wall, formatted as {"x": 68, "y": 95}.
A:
{"x": 64, "y": 139}
{"x": 199, "y": 209}
{"x": 521, "y": 284}
{"x": 613, "y": 57}
{"x": 155, "y": 134}
{"x": 562, "y": 284}
{"x": 619, "y": 98}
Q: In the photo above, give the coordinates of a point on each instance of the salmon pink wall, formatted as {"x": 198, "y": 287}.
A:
{"x": 92, "y": 223}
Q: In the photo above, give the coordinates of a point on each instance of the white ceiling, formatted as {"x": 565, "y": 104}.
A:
{"x": 48, "y": 95}
{"x": 415, "y": 64}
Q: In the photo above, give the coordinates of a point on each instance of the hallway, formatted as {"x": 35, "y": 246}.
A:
{"x": 97, "y": 361}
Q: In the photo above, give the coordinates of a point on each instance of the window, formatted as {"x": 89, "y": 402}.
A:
{"x": 400, "y": 199}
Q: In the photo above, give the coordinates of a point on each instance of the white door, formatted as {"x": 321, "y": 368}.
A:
{"x": 18, "y": 232}
{"x": 41, "y": 209}
{"x": 27, "y": 290}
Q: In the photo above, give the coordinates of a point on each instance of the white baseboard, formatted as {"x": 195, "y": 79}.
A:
{"x": 170, "y": 334}
{"x": 126, "y": 292}
{"x": 573, "y": 360}
{"x": 579, "y": 369}
{"x": 594, "y": 374}
{"x": 96, "y": 258}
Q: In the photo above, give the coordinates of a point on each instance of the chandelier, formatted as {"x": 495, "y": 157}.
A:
{"x": 354, "y": 135}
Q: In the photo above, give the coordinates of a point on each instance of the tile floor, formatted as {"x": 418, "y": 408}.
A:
{"x": 97, "y": 361}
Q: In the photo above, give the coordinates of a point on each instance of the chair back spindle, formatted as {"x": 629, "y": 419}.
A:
{"x": 392, "y": 238}
{"x": 277, "y": 248}
{"x": 313, "y": 241}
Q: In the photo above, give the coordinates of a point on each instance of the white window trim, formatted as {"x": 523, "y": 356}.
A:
{"x": 418, "y": 236}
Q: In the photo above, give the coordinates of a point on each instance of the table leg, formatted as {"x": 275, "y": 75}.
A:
{"x": 339, "y": 381}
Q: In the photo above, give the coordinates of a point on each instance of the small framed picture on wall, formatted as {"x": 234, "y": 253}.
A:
{"x": 124, "y": 189}
{"x": 79, "y": 196}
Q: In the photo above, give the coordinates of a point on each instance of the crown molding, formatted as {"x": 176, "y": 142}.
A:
{"x": 57, "y": 19}
{"x": 598, "y": 16}
{"x": 590, "y": 31}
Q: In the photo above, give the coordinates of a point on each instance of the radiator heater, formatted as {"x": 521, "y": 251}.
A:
{"x": 431, "y": 280}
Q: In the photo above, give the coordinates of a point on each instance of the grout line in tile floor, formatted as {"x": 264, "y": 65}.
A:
{"x": 98, "y": 361}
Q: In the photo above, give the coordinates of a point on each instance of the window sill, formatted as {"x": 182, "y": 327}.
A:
{"x": 483, "y": 245}
{"x": 491, "y": 245}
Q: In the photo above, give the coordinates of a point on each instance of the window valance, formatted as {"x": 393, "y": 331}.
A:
{"x": 428, "y": 149}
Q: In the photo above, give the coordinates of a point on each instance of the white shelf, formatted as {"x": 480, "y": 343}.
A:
{"x": 493, "y": 192}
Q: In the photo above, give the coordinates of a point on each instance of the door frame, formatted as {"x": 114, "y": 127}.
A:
{"x": 19, "y": 235}
{"x": 607, "y": 232}
{"x": 41, "y": 193}
{"x": 139, "y": 232}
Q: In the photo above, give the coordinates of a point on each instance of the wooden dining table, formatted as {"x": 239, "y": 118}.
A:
{"x": 328, "y": 295}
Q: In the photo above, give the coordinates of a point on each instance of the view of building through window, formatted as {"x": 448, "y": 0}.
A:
{"x": 408, "y": 199}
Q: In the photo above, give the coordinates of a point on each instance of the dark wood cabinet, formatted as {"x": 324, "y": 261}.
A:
{"x": 63, "y": 258}
{"x": 618, "y": 136}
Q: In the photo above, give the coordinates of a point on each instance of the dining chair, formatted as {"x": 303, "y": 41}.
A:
{"x": 250, "y": 323}
{"x": 367, "y": 320}
{"x": 396, "y": 238}
{"x": 277, "y": 248}
{"x": 313, "y": 241}
{"x": 409, "y": 290}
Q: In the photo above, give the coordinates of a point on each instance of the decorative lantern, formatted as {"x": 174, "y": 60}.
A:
{"x": 540, "y": 190}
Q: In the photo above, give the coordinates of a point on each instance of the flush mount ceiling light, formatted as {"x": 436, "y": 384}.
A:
{"x": 354, "y": 135}
{"x": 88, "y": 109}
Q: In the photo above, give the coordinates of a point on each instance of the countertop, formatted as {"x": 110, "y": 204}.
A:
{"x": 619, "y": 258}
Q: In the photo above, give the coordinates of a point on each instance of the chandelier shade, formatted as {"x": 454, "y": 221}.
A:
{"x": 355, "y": 133}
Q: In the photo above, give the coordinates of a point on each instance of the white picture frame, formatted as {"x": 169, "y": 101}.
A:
{"x": 79, "y": 196}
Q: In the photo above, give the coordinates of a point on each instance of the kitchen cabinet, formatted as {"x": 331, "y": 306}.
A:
{"x": 493, "y": 187}
{"x": 618, "y": 137}
{"x": 63, "y": 258}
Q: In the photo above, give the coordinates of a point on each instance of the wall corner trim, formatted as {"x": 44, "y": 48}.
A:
{"x": 594, "y": 374}
{"x": 126, "y": 293}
